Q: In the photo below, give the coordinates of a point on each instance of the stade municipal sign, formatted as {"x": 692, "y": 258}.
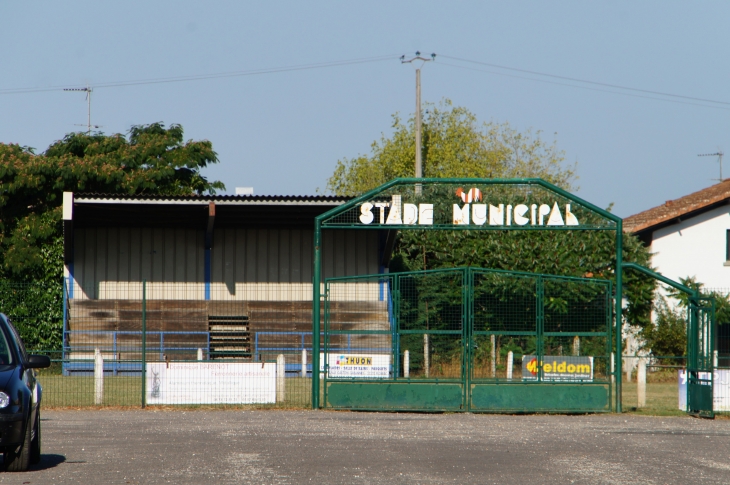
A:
{"x": 471, "y": 210}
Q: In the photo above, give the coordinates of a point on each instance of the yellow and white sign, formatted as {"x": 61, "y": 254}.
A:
{"x": 373, "y": 366}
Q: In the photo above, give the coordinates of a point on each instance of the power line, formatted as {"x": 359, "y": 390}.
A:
{"x": 198, "y": 77}
{"x": 567, "y": 78}
{"x": 587, "y": 88}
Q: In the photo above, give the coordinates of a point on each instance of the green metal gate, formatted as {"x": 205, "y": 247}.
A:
{"x": 700, "y": 364}
{"x": 467, "y": 339}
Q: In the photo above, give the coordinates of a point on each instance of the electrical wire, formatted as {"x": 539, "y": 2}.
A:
{"x": 585, "y": 87}
{"x": 198, "y": 77}
{"x": 566, "y": 78}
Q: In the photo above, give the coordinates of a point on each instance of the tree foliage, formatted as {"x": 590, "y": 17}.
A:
{"x": 455, "y": 144}
{"x": 152, "y": 159}
{"x": 667, "y": 334}
{"x": 722, "y": 300}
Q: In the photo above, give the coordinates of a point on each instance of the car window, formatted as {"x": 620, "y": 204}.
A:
{"x": 6, "y": 355}
{"x": 18, "y": 341}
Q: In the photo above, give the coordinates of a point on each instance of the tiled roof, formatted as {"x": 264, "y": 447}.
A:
{"x": 672, "y": 209}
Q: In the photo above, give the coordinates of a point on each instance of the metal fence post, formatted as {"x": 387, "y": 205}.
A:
{"x": 619, "y": 311}
{"x": 144, "y": 343}
{"x": 315, "y": 313}
{"x": 65, "y": 326}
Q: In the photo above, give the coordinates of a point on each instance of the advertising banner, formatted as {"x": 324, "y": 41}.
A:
{"x": 558, "y": 368}
{"x": 356, "y": 365}
{"x": 210, "y": 383}
{"x": 720, "y": 389}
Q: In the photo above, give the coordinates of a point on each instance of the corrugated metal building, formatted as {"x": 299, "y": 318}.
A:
{"x": 204, "y": 259}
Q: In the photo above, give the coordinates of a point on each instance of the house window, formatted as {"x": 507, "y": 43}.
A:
{"x": 727, "y": 245}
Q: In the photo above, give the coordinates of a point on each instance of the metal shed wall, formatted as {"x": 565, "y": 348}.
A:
{"x": 245, "y": 264}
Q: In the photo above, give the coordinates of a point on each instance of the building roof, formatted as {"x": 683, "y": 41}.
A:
{"x": 326, "y": 200}
{"x": 674, "y": 210}
{"x": 94, "y": 210}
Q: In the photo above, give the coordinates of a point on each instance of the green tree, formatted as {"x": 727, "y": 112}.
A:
{"x": 455, "y": 144}
{"x": 667, "y": 334}
{"x": 152, "y": 159}
{"x": 722, "y": 300}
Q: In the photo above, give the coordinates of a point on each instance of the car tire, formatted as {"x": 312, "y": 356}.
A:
{"x": 18, "y": 460}
{"x": 35, "y": 443}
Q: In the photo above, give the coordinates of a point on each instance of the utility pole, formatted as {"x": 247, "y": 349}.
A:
{"x": 423, "y": 60}
{"x": 719, "y": 155}
{"x": 88, "y": 91}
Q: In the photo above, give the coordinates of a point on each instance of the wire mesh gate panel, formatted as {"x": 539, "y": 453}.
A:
{"x": 467, "y": 339}
{"x": 700, "y": 356}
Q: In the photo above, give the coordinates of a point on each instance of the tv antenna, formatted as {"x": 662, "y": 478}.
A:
{"x": 719, "y": 155}
{"x": 88, "y": 90}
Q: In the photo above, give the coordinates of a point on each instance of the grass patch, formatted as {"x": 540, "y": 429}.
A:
{"x": 662, "y": 399}
{"x": 78, "y": 391}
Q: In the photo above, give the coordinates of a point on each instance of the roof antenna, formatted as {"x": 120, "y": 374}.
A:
{"x": 88, "y": 90}
{"x": 719, "y": 155}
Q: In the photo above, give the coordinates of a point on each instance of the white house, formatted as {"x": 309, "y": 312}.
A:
{"x": 690, "y": 236}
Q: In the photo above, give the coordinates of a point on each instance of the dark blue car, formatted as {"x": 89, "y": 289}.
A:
{"x": 20, "y": 400}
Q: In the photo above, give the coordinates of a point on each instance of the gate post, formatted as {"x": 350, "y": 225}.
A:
{"x": 619, "y": 308}
{"x": 144, "y": 343}
{"x": 315, "y": 312}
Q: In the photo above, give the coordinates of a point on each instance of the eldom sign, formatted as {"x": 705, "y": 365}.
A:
{"x": 558, "y": 368}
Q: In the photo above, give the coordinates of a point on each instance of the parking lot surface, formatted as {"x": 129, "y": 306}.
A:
{"x": 290, "y": 447}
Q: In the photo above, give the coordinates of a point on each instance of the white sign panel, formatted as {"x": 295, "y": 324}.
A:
{"x": 472, "y": 212}
{"x": 356, "y": 365}
{"x": 210, "y": 383}
{"x": 720, "y": 389}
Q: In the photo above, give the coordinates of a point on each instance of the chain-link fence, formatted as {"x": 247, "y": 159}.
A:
{"x": 136, "y": 344}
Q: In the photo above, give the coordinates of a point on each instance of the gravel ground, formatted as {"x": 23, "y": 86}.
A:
{"x": 290, "y": 447}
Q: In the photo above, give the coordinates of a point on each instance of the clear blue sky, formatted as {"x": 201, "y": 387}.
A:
{"x": 283, "y": 132}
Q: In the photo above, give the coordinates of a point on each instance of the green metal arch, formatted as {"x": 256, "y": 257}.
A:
{"x": 614, "y": 223}
{"x": 326, "y": 219}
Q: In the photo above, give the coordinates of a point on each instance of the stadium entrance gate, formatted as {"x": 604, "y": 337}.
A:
{"x": 452, "y": 373}
{"x": 468, "y": 339}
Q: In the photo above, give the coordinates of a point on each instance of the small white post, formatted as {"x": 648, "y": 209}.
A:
{"x": 280, "y": 377}
{"x": 426, "y": 352}
{"x": 714, "y": 359}
{"x": 200, "y": 354}
{"x": 510, "y": 359}
{"x": 628, "y": 369}
{"x": 406, "y": 364}
{"x": 493, "y": 355}
{"x": 613, "y": 367}
{"x": 641, "y": 383}
{"x": 576, "y": 345}
{"x": 98, "y": 377}
{"x": 304, "y": 362}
